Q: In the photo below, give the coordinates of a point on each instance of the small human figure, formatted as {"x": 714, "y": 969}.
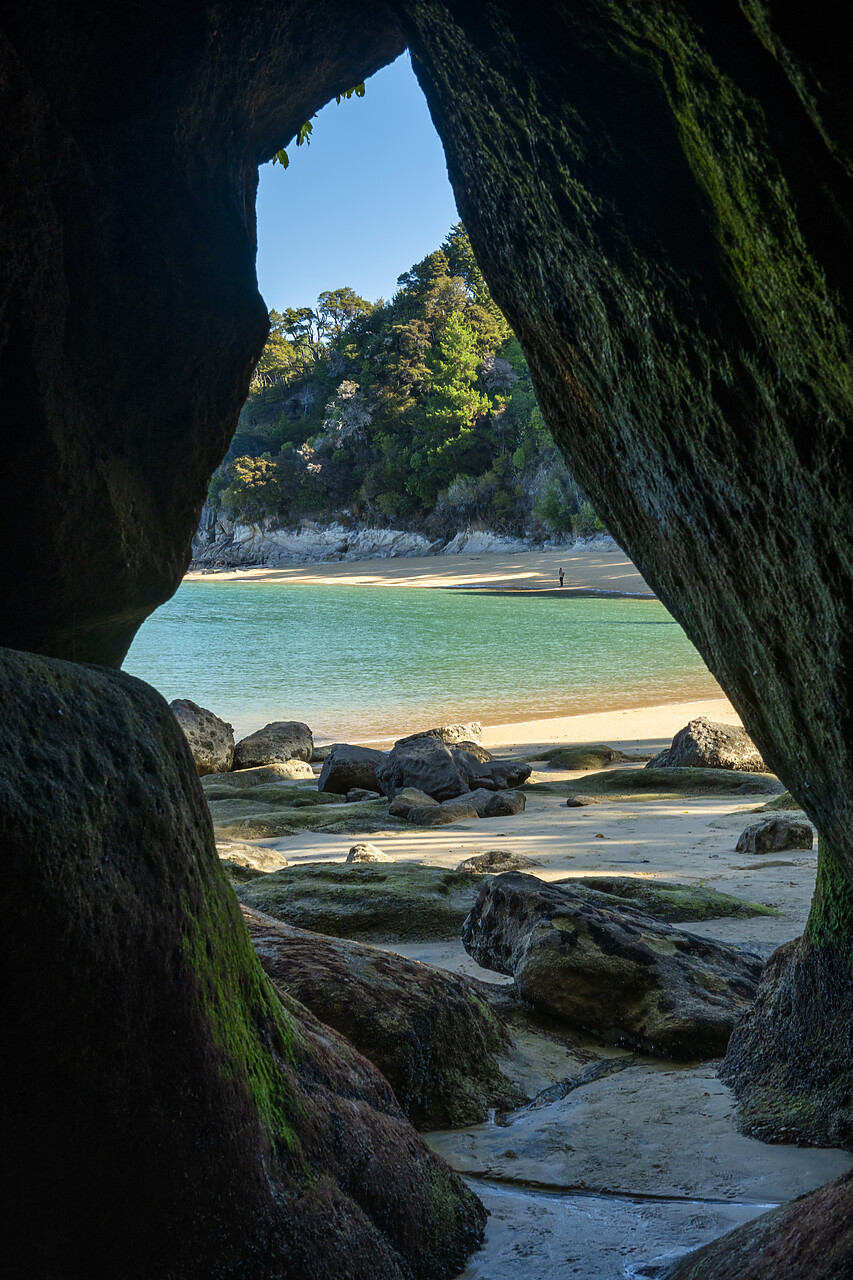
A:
{"x": 561, "y": 576}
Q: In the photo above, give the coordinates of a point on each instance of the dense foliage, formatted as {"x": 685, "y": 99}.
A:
{"x": 417, "y": 412}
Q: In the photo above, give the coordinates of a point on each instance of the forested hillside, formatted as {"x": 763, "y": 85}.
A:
{"x": 418, "y": 412}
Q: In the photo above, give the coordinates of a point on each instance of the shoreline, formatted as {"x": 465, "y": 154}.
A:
{"x": 592, "y": 572}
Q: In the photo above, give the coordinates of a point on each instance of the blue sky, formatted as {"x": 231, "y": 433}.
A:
{"x": 362, "y": 203}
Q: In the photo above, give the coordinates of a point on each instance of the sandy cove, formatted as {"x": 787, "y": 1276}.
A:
{"x": 585, "y": 571}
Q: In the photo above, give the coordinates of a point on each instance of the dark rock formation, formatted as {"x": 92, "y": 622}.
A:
{"x": 703, "y": 744}
{"x": 578, "y": 801}
{"x": 788, "y": 1061}
{"x": 275, "y": 744}
{"x": 430, "y": 1033}
{"x": 211, "y": 740}
{"x": 809, "y": 1239}
{"x": 359, "y": 794}
{"x": 441, "y": 815}
{"x": 494, "y": 804}
{"x": 473, "y": 749}
{"x": 588, "y": 756}
{"x": 775, "y": 835}
{"x": 690, "y": 782}
{"x": 346, "y": 767}
{"x": 422, "y": 762}
{"x": 451, "y": 734}
{"x": 615, "y": 972}
{"x": 495, "y": 775}
{"x": 366, "y": 903}
{"x": 179, "y": 1121}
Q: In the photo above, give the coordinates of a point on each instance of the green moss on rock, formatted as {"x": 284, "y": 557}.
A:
{"x": 664, "y": 900}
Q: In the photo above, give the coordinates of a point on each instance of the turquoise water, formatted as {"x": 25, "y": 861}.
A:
{"x": 369, "y": 662}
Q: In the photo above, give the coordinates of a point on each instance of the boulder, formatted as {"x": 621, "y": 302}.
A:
{"x": 422, "y": 762}
{"x": 615, "y": 972}
{"x": 664, "y": 899}
{"x": 395, "y": 903}
{"x": 318, "y": 755}
{"x": 704, "y": 744}
{"x": 495, "y": 861}
{"x": 364, "y": 851}
{"x": 774, "y": 835}
{"x": 493, "y": 804}
{"x": 211, "y": 739}
{"x": 276, "y": 743}
{"x": 441, "y": 815}
{"x": 239, "y": 858}
{"x": 430, "y": 1033}
{"x": 473, "y": 749}
{"x": 452, "y": 734}
{"x": 581, "y": 802}
{"x": 410, "y": 798}
{"x": 358, "y": 795}
{"x": 347, "y": 767}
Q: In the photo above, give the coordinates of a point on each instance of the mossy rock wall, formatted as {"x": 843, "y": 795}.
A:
{"x": 171, "y": 1117}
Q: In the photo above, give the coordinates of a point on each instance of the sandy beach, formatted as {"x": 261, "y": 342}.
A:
{"x": 585, "y": 571}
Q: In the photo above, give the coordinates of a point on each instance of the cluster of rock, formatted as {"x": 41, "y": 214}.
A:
{"x": 211, "y": 741}
{"x": 431, "y": 779}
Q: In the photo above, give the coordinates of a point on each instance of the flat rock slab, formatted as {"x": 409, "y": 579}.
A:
{"x": 663, "y": 899}
{"x": 365, "y": 902}
{"x": 495, "y": 861}
{"x": 658, "y": 783}
{"x": 615, "y": 972}
{"x": 644, "y": 1131}
{"x": 432, "y": 1034}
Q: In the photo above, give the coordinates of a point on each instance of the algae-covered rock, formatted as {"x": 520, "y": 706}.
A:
{"x": 431, "y": 1033}
{"x": 442, "y": 815}
{"x": 618, "y": 973}
{"x": 396, "y": 903}
{"x": 237, "y": 781}
{"x": 583, "y": 756}
{"x": 635, "y": 784}
{"x": 664, "y": 899}
{"x": 785, "y": 802}
{"x": 329, "y": 813}
{"x": 243, "y": 861}
{"x": 495, "y": 861}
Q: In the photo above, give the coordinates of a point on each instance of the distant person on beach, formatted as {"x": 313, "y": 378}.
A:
{"x": 561, "y": 576}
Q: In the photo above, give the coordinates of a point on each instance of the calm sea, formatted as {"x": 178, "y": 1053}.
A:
{"x": 357, "y": 663}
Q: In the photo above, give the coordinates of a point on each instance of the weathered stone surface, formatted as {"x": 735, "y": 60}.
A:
{"x": 495, "y": 861}
{"x": 364, "y": 851}
{"x": 809, "y": 1239}
{"x": 409, "y": 798}
{"x": 346, "y": 767}
{"x": 318, "y": 755}
{"x": 617, "y": 973}
{"x": 276, "y": 743}
{"x": 441, "y": 815}
{"x": 112, "y": 886}
{"x": 396, "y": 903}
{"x": 472, "y": 749}
{"x": 774, "y": 835}
{"x": 498, "y": 775}
{"x": 424, "y": 763}
{"x": 211, "y": 739}
{"x": 430, "y": 1033}
{"x": 697, "y": 782}
{"x": 359, "y": 794}
{"x": 578, "y": 801}
{"x": 704, "y": 744}
{"x": 251, "y": 857}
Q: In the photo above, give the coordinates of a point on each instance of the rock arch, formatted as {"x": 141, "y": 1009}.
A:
{"x": 659, "y": 196}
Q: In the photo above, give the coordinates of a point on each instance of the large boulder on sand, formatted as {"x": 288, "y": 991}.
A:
{"x": 274, "y": 744}
{"x": 704, "y": 744}
{"x": 614, "y": 972}
{"x": 430, "y": 1033}
{"x": 347, "y": 767}
{"x": 775, "y": 835}
{"x": 211, "y": 739}
{"x": 425, "y": 763}
{"x": 388, "y": 903}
